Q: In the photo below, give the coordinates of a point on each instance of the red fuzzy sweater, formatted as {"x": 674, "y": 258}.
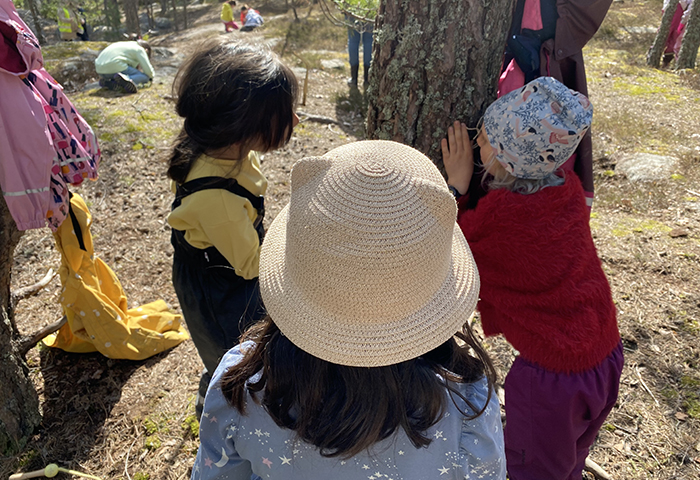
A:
{"x": 542, "y": 284}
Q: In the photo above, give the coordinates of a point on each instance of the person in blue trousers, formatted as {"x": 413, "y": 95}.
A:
{"x": 361, "y": 32}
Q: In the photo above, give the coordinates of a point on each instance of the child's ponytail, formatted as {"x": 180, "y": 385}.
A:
{"x": 185, "y": 152}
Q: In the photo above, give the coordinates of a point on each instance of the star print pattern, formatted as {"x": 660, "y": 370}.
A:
{"x": 470, "y": 449}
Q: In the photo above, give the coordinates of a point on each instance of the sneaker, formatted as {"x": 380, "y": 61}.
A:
{"x": 108, "y": 83}
{"x": 124, "y": 83}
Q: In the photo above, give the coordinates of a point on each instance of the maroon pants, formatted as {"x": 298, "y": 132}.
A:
{"x": 552, "y": 419}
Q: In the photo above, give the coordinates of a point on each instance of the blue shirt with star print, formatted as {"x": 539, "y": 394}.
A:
{"x": 253, "y": 447}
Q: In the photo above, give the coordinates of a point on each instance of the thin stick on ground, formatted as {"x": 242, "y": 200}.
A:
{"x": 641, "y": 380}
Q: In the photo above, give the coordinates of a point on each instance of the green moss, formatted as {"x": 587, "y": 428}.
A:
{"x": 688, "y": 381}
{"x": 141, "y": 476}
{"x": 152, "y": 442}
{"x": 677, "y": 176}
{"x": 630, "y": 225}
{"x": 692, "y": 406}
{"x": 27, "y": 457}
{"x": 191, "y": 426}
{"x": 669, "y": 393}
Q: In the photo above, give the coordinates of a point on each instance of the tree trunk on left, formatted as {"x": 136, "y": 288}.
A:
{"x": 691, "y": 39}
{"x": 131, "y": 12}
{"x": 19, "y": 408}
{"x": 434, "y": 62}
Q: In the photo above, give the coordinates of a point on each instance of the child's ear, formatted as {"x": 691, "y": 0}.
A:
{"x": 305, "y": 170}
{"x": 436, "y": 198}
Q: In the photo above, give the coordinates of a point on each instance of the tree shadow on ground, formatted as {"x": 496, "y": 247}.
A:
{"x": 78, "y": 396}
{"x": 351, "y": 111}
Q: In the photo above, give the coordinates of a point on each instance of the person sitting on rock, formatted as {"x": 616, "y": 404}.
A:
{"x": 124, "y": 65}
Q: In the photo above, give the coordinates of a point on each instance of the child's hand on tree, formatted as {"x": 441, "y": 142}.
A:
{"x": 458, "y": 157}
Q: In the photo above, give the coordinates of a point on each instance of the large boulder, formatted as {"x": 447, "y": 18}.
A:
{"x": 72, "y": 64}
{"x": 646, "y": 167}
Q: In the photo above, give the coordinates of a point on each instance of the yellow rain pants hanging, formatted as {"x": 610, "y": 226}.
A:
{"x": 95, "y": 304}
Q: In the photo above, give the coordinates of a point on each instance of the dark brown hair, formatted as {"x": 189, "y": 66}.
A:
{"x": 231, "y": 93}
{"x": 146, "y": 46}
{"x": 345, "y": 410}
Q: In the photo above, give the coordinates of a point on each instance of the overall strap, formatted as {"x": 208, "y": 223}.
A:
{"x": 230, "y": 184}
{"x": 76, "y": 224}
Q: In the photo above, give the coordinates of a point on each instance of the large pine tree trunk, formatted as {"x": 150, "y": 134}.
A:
{"x": 434, "y": 62}
{"x": 691, "y": 39}
{"x": 131, "y": 14}
{"x": 659, "y": 45}
{"x": 19, "y": 408}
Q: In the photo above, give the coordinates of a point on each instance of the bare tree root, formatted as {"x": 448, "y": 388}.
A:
{"x": 28, "y": 342}
{"x": 596, "y": 470}
{"x": 25, "y": 292}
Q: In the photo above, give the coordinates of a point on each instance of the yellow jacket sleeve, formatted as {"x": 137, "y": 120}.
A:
{"x": 224, "y": 220}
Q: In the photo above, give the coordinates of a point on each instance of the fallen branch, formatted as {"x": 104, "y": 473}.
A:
{"x": 28, "y": 343}
{"x": 25, "y": 292}
{"x": 641, "y": 380}
{"x": 316, "y": 118}
{"x": 596, "y": 470}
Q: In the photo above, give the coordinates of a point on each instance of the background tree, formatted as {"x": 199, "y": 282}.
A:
{"x": 659, "y": 45}
{"x": 19, "y": 408}
{"x": 691, "y": 39}
{"x": 112, "y": 14}
{"x": 35, "y": 17}
{"x": 434, "y": 62}
{"x": 131, "y": 14}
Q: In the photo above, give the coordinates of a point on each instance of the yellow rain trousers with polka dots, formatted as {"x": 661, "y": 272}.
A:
{"x": 95, "y": 303}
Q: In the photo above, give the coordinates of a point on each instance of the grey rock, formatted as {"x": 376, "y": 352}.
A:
{"x": 162, "y": 52}
{"x": 333, "y": 63}
{"x": 646, "y": 167}
{"x": 299, "y": 72}
{"x": 163, "y": 23}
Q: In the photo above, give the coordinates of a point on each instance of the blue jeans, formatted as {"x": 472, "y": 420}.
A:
{"x": 134, "y": 74}
{"x": 354, "y": 45}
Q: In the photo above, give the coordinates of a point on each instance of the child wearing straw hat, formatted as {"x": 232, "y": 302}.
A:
{"x": 553, "y": 304}
{"x": 357, "y": 371}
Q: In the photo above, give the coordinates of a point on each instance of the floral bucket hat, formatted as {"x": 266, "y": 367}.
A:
{"x": 535, "y": 129}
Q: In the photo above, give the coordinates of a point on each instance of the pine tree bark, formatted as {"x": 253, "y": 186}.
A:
{"x": 659, "y": 45}
{"x": 434, "y": 62}
{"x": 19, "y": 408}
{"x": 691, "y": 39}
{"x": 131, "y": 14}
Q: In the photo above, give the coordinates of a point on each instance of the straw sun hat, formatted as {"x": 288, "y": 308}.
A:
{"x": 366, "y": 266}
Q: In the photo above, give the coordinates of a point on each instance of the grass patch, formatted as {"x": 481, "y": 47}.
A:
{"x": 309, "y": 32}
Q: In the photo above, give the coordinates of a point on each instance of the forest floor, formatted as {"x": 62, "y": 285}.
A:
{"x": 135, "y": 419}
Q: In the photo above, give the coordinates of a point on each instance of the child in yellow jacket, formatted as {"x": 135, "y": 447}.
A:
{"x": 227, "y": 15}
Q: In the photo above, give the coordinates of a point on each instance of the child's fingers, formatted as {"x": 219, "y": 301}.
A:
{"x": 451, "y": 139}
{"x": 445, "y": 150}
{"x": 459, "y": 139}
